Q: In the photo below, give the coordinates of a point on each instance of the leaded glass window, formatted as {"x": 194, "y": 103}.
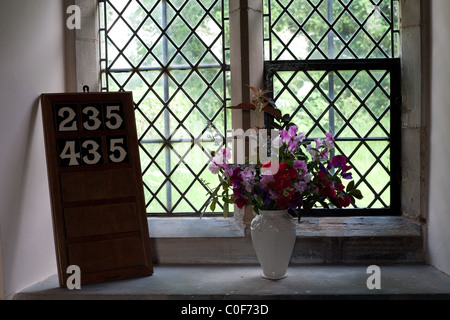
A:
{"x": 174, "y": 57}
{"x": 333, "y": 66}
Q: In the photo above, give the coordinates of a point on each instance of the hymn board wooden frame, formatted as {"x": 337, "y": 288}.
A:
{"x": 96, "y": 188}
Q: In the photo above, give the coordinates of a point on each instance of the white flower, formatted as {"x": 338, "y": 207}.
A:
{"x": 214, "y": 168}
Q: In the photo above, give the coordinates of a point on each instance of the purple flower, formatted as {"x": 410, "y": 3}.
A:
{"x": 301, "y": 186}
{"x": 339, "y": 161}
{"x": 298, "y": 164}
{"x": 296, "y": 202}
{"x": 265, "y": 196}
{"x": 322, "y": 168}
{"x": 346, "y": 175}
{"x": 236, "y": 178}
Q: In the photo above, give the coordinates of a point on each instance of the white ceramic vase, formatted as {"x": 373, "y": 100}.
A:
{"x": 273, "y": 236}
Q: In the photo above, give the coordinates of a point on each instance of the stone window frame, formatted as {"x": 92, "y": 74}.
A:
{"x": 247, "y": 68}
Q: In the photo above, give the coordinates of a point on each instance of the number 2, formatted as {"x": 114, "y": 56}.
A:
{"x": 69, "y": 123}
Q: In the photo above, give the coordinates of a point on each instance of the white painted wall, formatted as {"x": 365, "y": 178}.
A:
{"x": 439, "y": 191}
{"x": 31, "y": 63}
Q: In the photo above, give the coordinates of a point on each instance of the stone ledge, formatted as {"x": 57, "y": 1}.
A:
{"x": 332, "y": 240}
{"x": 244, "y": 282}
{"x": 308, "y": 227}
{"x": 357, "y": 227}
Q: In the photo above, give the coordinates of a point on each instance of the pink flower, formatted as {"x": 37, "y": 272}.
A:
{"x": 214, "y": 168}
{"x": 226, "y": 154}
{"x": 329, "y": 141}
{"x": 285, "y": 137}
{"x": 292, "y": 131}
{"x": 307, "y": 177}
{"x": 248, "y": 176}
{"x": 291, "y": 138}
{"x": 247, "y": 173}
{"x": 292, "y": 146}
{"x": 319, "y": 143}
{"x": 313, "y": 152}
{"x": 300, "y": 137}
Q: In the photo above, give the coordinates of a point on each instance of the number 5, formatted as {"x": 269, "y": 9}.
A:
{"x": 117, "y": 145}
{"x": 113, "y": 112}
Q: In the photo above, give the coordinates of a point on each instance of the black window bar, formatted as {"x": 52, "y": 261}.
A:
{"x": 345, "y": 80}
{"x": 165, "y": 49}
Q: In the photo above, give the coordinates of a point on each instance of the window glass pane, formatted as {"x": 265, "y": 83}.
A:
{"x": 355, "y": 107}
{"x": 310, "y": 47}
{"x": 174, "y": 57}
{"x": 331, "y": 29}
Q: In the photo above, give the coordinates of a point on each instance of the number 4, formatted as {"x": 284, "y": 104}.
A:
{"x": 69, "y": 152}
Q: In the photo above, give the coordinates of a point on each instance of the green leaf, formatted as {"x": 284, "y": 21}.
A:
{"x": 214, "y": 194}
{"x": 356, "y": 193}
{"x": 350, "y": 186}
{"x": 213, "y": 205}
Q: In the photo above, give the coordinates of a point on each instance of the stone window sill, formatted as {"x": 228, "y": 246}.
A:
{"x": 221, "y": 283}
{"x": 319, "y": 240}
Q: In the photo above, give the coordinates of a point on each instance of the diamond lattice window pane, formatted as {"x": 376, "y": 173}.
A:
{"x": 354, "y": 105}
{"x": 174, "y": 57}
{"x": 329, "y": 29}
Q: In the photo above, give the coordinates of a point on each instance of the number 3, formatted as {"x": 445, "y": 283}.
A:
{"x": 93, "y": 117}
{"x": 93, "y": 151}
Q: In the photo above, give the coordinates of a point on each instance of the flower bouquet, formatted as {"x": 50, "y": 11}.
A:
{"x": 306, "y": 174}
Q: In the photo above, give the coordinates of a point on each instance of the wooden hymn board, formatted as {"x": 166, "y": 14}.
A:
{"x": 96, "y": 189}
